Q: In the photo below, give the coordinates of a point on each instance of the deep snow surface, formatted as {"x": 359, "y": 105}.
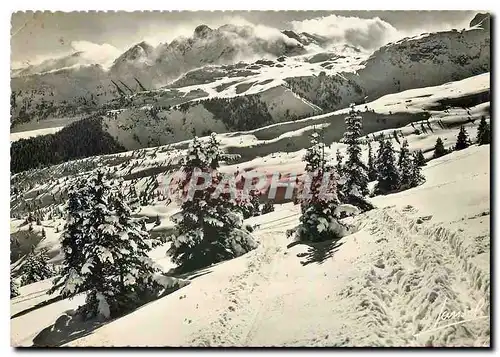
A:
{"x": 421, "y": 252}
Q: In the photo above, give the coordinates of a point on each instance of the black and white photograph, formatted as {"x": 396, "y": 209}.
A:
{"x": 250, "y": 178}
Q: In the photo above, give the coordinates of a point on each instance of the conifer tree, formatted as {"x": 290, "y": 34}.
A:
{"x": 483, "y": 132}
{"x": 372, "y": 171}
{"x": 416, "y": 177}
{"x": 339, "y": 166}
{"x": 439, "y": 149}
{"x": 405, "y": 164}
{"x": 36, "y": 267}
{"x": 463, "y": 141}
{"x": 208, "y": 226}
{"x": 356, "y": 180}
{"x": 73, "y": 239}
{"x": 388, "y": 176}
{"x": 14, "y": 288}
{"x": 213, "y": 151}
{"x": 105, "y": 252}
{"x": 381, "y": 143}
{"x": 419, "y": 158}
{"x": 318, "y": 197}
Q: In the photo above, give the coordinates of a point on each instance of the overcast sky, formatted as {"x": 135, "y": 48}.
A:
{"x": 45, "y": 34}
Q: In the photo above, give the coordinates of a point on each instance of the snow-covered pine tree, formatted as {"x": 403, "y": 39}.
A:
{"x": 120, "y": 254}
{"x": 439, "y": 149}
{"x": 110, "y": 262}
{"x": 483, "y": 132}
{"x": 388, "y": 176}
{"x": 73, "y": 238}
{"x": 117, "y": 271}
{"x": 355, "y": 173}
{"x": 208, "y": 227}
{"x": 463, "y": 141}
{"x": 419, "y": 158}
{"x": 213, "y": 152}
{"x": 318, "y": 198}
{"x": 372, "y": 171}
{"x": 36, "y": 267}
{"x": 405, "y": 164}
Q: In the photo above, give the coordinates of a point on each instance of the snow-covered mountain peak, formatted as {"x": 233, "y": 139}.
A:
{"x": 482, "y": 20}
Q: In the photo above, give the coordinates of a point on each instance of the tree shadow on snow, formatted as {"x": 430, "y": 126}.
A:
{"x": 318, "y": 252}
{"x": 67, "y": 328}
{"x": 37, "y": 306}
{"x": 189, "y": 275}
{"x": 71, "y": 326}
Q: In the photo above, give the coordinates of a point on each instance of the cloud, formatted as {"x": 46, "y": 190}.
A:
{"x": 94, "y": 53}
{"x": 366, "y": 33}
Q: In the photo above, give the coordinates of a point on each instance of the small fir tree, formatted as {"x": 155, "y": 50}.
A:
{"x": 356, "y": 179}
{"x": 388, "y": 176}
{"x": 439, "y": 149}
{"x": 372, "y": 171}
{"x": 318, "y": 198}
{"x": 463, "y": 141}
{"x": 483, "y": 132}
{"x": 209, "y": 224}
{"x": 419, "y": 158}
{"x": 405, "y": 163}
{"x": 417, "y": 178}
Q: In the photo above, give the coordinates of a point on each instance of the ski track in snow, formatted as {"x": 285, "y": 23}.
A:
{"x": 246, "y": 295}
{"x": 421, "y": 271}
{"x": 418, "y": 271}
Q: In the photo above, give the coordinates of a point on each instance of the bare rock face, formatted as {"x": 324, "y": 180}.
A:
{"x": 481, "y": 19}
{"x": 202, "y": 31}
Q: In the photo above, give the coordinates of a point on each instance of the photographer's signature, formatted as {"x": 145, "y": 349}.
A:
{"x": 448, "y": 318}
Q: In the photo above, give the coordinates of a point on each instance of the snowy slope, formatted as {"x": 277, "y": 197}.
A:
{"x": 290, "y": 76}
{"x": 276, "y": 148}
{"x": 383, "y": 285}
